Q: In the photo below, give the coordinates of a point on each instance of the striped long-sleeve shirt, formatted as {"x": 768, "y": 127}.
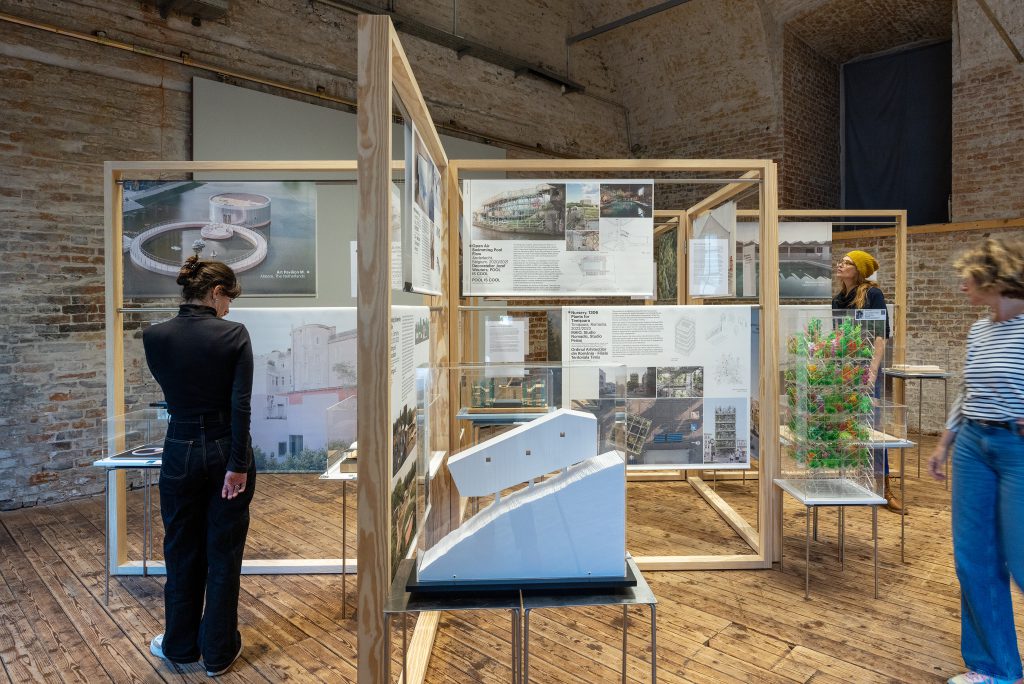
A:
{"x": 993, "y": 373}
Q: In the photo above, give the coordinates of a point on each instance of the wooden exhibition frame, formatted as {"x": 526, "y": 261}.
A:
{"x": 897, "y": 218}
{"x": 384, "y": 73}
{"x": 754, "y": 172}
{"x": 114, "y": 173}
{"x": 886, "y": 217}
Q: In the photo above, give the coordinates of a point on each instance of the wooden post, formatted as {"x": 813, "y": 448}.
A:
{"x": 373, "y": 121}
{"x": 117, "y": 505}
{"x": 769, "y": 498}
{"x": 900, "y": 305}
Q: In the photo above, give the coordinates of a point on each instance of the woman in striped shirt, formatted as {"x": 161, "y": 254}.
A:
{"x": 987, "y": 424}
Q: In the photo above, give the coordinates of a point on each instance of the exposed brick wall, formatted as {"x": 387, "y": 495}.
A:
{"x": 704, "y": 79}
{"x": 809, "y": 170}
{"x": 69, "y": 105}
{"x": 988, "y": 114}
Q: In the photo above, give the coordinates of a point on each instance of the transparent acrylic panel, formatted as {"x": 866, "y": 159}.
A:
{"x": 136, "y": 434}
{"x": 925, "y": 376}
{"x": 341, "y": 439}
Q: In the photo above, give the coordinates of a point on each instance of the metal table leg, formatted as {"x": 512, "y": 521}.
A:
{"x": 903, "y": 511}
{"x": 807, "y": 556}
{"x": 782, "y": 552}
{"x": 654, "y": 645}
{"x": 842, "y": 537}
{"x": 874, "y": 533}
{"x": 145, "y": 522}
{"x": 106, "y": 538}
{"x": 344, "y": 549}
{"x": 625, "y": 636}
{"x": 526, "y": 646}
{"x": 920, "y": 430}
{"x": 387, "y": 643}
{"x": 516, "y": 653}
{"x": 814, "y": 525}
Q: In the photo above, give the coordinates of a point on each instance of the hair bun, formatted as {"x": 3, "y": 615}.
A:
{"x": 188, "y": 270}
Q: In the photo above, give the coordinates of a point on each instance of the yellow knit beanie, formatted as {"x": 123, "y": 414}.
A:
{"x": 865, "y": 263}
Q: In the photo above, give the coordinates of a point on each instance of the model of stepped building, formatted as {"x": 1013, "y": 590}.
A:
{"x": 571, "y": 525}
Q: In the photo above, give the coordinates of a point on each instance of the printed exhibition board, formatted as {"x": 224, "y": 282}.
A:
{"x": 410, "y": 439}
{"x": 397, "y": 282}
{"x": 805, "y": 259}
{"x": 264, "y": 230}
{"x": 686, "y": 388}
{"x": 304, "y": 380}
{"x": 711, "y": 247}
{"x": 564, "y": 238}
{"x": 421, "y": 227}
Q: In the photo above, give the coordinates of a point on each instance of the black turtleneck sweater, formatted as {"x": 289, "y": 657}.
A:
{"x": 204, "y": 365}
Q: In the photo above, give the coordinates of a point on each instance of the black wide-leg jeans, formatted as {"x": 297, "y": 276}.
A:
{"x": 204, "y": 538}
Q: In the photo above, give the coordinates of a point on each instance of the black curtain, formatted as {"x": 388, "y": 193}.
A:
{"x": 898, "y": 133}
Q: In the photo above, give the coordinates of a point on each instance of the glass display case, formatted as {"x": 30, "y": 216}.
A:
{"x": 837, "y": 415}
{"x": 341, "y": 438}
{"x": 526, "y": 391}
{"x": 135, "y": 435}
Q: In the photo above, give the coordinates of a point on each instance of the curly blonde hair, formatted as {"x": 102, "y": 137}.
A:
{"x": 997, "y": 264}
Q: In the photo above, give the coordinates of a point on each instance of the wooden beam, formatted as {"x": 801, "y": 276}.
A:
{"x": 728, "y": 513}
{"x": 769, "y": 498}
{"x": 404, "y": 82}
{"x": 553, "y": 165}
{"x": 339, "y": 165}
{"x": 725, "y": 562}
{"x": 452, "y": 284}
{"x": 998, "y": 25}
{"x": 420, "y": 645}
{"x": 990, "y": 224}
{"x": 667, "y": 226}
{"x": 824, "y": 213}
{"x": 683, "y": 261}
{"x": 899, "y": 355}
{"x": 890, "y": 229}
{"x": 655, "y": 476}
{"x": 722, "y": 195}
{"x": 373, "y": 122}
{"x": 116, "y": 484}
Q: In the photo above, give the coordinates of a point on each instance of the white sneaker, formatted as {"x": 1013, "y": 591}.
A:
{"x": 156, "y": 646}
{"x": 216, "y": 673}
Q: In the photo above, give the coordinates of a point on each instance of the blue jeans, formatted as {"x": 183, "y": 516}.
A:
{"x": 988, "y": 544}
{"x": 204, "y": 538}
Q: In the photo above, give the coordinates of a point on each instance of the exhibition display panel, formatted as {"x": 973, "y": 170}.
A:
{"x": 434, "y": 398}
{"x": 158, "y": 213}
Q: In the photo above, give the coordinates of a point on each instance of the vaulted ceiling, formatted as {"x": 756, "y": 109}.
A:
{"x": 842, "y": 30}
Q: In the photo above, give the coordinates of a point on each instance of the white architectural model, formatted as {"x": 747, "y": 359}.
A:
{"x": 568, "y": 526}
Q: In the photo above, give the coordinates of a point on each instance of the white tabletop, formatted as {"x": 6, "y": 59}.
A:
{"x": 829, "y": 492}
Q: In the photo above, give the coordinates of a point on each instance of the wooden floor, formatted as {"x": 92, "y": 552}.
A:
{"x": 735, "y": 626}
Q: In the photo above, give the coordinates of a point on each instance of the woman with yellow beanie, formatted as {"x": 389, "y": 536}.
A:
{"x": 857, "y": 292}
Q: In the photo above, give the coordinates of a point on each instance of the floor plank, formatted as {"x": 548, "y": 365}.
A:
{"x": 713, "y": 627}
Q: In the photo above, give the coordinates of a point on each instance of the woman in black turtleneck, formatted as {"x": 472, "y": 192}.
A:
{"x": 204, "y": 367}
